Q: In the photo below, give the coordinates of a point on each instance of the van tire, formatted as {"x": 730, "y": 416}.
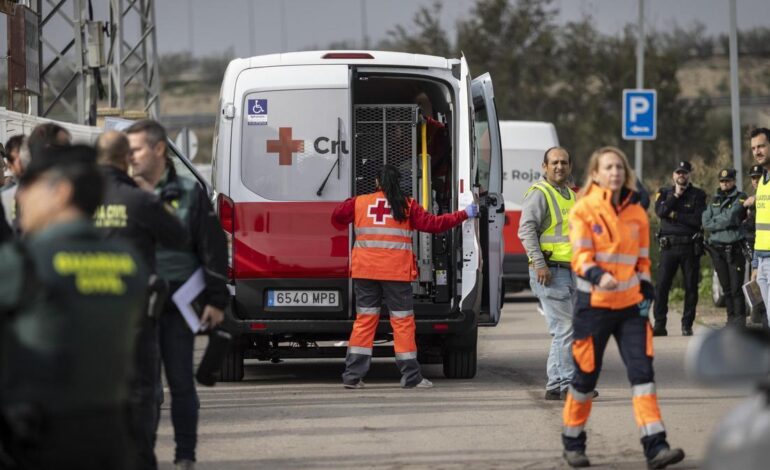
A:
{"x": 460, "y": 355}
{"x": 232, "y": 366}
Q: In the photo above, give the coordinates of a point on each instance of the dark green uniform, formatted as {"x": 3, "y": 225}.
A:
{"x": 69, "y": 305}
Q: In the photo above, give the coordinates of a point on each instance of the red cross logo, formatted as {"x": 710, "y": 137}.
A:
{"x": 379, "y": 211}
{"x": 284, "y": 146}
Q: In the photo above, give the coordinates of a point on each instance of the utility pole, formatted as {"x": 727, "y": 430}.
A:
{"x": 639, "y": 83}
{"x": 284, "y": 27}
{"x": 735, "y": 100}
{"x": 364, "y": 26}
{"x": 252, "y": 23}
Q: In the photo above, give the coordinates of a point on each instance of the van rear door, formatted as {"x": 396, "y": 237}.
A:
{"x": 291, "y": 130}
{"x": 489, "y": 180}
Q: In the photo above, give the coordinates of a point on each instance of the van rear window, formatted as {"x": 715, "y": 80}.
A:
{"x": 290, "y": 142}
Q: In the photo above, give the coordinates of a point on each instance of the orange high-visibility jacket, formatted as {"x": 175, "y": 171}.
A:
{"x": 383, "y": 246}
{"x": 606, "y": 240}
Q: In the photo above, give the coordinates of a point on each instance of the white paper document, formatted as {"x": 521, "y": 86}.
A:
{"x": 185, "y": 296}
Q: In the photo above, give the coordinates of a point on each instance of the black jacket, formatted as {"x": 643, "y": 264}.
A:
{"x": 680, "y": 215}
{"x": 206, "y": 246}
{"x": 136, "y": 215}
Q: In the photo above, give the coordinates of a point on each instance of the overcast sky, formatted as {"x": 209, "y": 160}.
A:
{"x": 219, "y": 25}
{"x": 252, "y": 27}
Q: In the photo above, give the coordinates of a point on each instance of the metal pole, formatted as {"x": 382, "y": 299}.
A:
{"x": 364, "y": 26}
{"x": 252, "y": 25}
{"x": 639, "y": 83}
{"x": 284, "y": 33}
{"x": 735, "y": 100}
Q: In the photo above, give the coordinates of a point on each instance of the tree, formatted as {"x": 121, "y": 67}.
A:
{"x": 430, "y": 37}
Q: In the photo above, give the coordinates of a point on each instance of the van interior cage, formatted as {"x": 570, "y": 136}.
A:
{"x": 389, "y": 134}
{"x": 385, "y": 133}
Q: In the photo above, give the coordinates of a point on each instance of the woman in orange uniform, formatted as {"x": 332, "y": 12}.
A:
{"x": 383, "y": 269}
{"x": 610, "y": 237}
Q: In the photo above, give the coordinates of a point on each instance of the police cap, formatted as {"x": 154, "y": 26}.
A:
{"x": 683, "y": 166}
{"x": 727, "y": 174}
{"x": 58, "y": 156}
{"x": 755, "y": 170}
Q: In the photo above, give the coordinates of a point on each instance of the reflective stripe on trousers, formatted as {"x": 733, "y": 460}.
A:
{"x": 646, "y": 410}
{"x": 577, "y": 409}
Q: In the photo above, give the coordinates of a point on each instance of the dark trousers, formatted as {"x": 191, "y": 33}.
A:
{"x": 176, "y": 348}
{"x": 593, "y": 328}
{"x": 730, "y": 265}
{"x": 83, "y": 440}
{"x": 672, "y": 259}
{"x": 146, "y": 394}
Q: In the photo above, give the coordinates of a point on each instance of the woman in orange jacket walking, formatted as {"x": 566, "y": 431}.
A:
{"x": 383, "y": 269}
{"x": 610, "y": 237}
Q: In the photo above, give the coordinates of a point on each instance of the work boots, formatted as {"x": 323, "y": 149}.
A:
{"x": 577, "y": 458}
{"x": 666, "y": 457}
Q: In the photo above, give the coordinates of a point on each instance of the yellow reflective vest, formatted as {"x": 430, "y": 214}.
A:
{"x": 762, "y": 241}
{"x": 555, "y": 238}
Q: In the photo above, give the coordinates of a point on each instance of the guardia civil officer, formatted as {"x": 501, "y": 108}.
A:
{"x": 679, "y": 208}
{"x": 141, "y": 218}
{"x": 723, "y": 220}
{"x": 383, "y": 268}
{"x": 205, "y": 248}
{"x": 69, "y": 301}
{"x": 750, "y": 222}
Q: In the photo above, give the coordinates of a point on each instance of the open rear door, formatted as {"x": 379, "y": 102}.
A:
{"x": 489, "y": 180}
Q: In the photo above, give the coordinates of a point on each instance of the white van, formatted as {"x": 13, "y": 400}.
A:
{"x": 297, "y": 134}
{"x": 524, "y": 144}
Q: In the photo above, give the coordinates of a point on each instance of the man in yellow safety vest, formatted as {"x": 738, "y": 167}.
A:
{"x": 760, "y": 148}
{"x": 544, "y": 234}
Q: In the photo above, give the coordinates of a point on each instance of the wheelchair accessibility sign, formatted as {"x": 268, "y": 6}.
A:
{"x": 256, "y": 112}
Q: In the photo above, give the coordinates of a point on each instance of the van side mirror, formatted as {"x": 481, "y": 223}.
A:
{"x": 729, "y": 356}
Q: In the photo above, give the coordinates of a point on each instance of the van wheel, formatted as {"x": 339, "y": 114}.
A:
{"x": 460, "y": 355}
{"x": 232, "y": 366}
{"x": 460, "y": 363}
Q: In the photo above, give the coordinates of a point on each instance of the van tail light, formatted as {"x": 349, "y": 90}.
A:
{"x": 226, "y": 210}
{"x": 347, "y": 55}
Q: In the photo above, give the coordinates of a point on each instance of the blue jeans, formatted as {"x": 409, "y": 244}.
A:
{"x": 558, "y": 301}
{"x": 176, "y": 348}
{"x": 763, "y": 281}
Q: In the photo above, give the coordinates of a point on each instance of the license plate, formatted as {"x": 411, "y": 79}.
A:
{"x": 303, "y": 298}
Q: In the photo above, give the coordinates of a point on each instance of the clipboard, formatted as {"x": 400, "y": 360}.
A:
{"x": 188, "y": 300}
{"x": 753, "y": 294}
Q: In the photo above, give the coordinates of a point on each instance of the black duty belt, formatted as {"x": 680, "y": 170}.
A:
{"x": 678, "y": 239}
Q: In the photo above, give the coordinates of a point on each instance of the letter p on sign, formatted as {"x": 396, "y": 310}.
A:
{"x": 639, "y": 114}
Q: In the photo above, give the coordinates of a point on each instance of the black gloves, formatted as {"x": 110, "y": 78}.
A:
{"x": 647, "y": 290}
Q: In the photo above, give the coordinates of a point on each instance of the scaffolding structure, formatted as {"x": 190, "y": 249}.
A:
{"x": 77, "y": 61}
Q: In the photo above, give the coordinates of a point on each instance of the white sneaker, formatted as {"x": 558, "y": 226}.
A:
{"x": 359, "y": 384}
{"x": 424, "y": 383}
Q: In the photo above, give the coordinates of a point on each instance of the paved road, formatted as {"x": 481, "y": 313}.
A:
{"x": 297, "y": 415}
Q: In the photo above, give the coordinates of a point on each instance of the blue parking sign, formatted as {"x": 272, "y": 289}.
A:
{"x": 639, "y": 114}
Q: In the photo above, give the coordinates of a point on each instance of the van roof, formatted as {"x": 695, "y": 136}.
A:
{"x": 379, "y": 58}
{"x": 534, "y": 135}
